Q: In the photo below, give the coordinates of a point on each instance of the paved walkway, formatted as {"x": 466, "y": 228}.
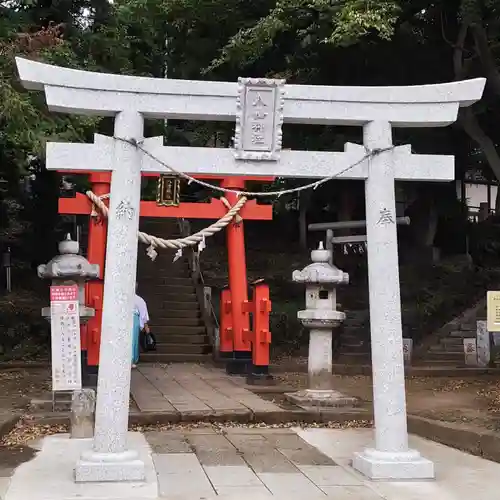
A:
{"x": 193, "y": 389}
{"x": 250, "y": 463}
{"x": 257, "y": 462}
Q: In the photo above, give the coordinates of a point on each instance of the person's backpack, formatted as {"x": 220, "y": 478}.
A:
{"x": 148, "y": 341}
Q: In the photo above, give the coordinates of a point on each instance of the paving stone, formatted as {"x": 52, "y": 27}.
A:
{"x": 181, "y": 474}
{"x": 209, "y": 442}
{"x": 180, "y": 398}
{"x": 351, "y": 493}
{"x": 294, "y": 484}
{"x": 225, "y": 457}
{"x": 172, "y": 463}
{"x": 297, "y": 450}
{"x": 240, "y": 475}
{"x": 269, "y": 460}
{"x": 250, "y": 492}
{"x": 242, "y": 395}
{"x": 167, "y": 442}
{"x": 208, "y": 429}
{"x": 329, "y": 476}
{"x": 146, "y": 396}
{"x": 260, "y": 455}
{"x": 208, "y": 394}
{"x": 247, "y": 440}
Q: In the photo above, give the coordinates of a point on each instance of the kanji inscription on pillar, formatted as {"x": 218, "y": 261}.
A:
{"x": 259, "y": 119}
{"x": 65, "y": 338}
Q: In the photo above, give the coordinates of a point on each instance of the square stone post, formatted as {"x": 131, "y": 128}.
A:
{"x": 391, "y": 459}
{"x": 109, "y": 460}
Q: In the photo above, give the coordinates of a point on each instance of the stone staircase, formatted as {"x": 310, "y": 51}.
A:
{"x": 174, "y": 309}
{"x": 445, "y": 346}
{"x": 354, "y": 339}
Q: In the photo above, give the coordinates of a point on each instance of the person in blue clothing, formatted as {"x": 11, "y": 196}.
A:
{"x": 141, "y": 323}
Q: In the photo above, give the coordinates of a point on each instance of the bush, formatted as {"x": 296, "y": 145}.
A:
{"x": 288, "y": 334}
{"x": 23, "y": 331}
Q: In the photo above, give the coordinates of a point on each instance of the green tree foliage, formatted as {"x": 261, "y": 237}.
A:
{"x": 340, "y": 23}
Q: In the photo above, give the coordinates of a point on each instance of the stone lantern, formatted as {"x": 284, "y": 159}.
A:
{"x": 70, "y": 268}
{"x": 320, "y": 317}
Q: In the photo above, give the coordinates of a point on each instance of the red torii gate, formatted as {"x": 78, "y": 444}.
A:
{"x": 100, "y": 184}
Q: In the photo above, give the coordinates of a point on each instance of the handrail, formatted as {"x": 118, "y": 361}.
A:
{"x": 194, "y": 263}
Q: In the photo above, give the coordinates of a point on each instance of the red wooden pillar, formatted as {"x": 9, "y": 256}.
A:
{"x": 261, "y": 335}
{"x": 226, "y": 326}
{"x": 242, "y": 351}
{"x": 100, "y": 183}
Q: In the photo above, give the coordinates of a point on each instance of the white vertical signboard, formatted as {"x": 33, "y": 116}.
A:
{"x": 65, "y": 337}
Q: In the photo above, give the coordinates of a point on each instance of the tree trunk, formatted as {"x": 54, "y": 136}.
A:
{"x": 304, "y": 202}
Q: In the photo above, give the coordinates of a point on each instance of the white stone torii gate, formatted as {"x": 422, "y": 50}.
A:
{"x": 259, "y": 108}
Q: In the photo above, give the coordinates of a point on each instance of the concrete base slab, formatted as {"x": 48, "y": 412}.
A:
{"x": 383, "y": 466}
{"x": 308, "y": 398}
{"x": 51, "y": 474}
{"x": 92, "y": 469}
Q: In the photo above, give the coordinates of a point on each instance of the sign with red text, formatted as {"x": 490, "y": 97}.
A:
{"x": 65, "y": 338}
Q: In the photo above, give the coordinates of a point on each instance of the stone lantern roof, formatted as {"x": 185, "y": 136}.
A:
{"x": 321, "y": 271}
{"x": 68, "y": 264}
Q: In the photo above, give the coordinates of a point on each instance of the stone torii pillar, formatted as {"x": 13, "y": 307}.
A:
{"x": 259, "y": 107}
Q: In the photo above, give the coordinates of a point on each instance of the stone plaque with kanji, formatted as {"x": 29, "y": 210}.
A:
{"x": 259, "y": 119}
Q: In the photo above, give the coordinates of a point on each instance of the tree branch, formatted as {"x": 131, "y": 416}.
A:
{"x": 458, "y": 52}
{"x": 486, "y": 56}
{"x": 469, "y": 122}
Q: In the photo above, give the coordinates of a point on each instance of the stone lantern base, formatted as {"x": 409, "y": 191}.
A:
{"x": 325, "y": 398}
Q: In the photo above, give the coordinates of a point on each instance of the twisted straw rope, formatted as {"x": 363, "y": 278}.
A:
{"x": 180, "y": 243}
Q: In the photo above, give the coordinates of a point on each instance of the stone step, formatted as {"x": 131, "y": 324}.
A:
{"x": 354, "y": 323}
{"x": 445, "y": 356}
{"x": 165, "y": 264}
{"x": 176, "y": 323}
{"x": 463, "y": 334}
{"x": 175, "y": 338}
{"x": 451, "y": 348}
{"x": 160, "y": 301}
{"x": 472, "y": 325}
{"x": 162, "y": 288}
{"x": 154, "y": 357}
{"x": 354, "y": 349}
{"x": 162, "y": 305}
{"x": 180, "y": 313}
{"x": 354, "y": 340}
{"x": 161, "y": 276}
{"x": 360, "y": 315}
{"x": 178, "y": 330}
{"x": 355, "y": 335}
{"x": 172, "y": 280}
{"x": 356, "y": 330}
{"x": 352, "y": 358}
{"x": 162, "y": 261}
{"x": 452, "y": 341}
{"x": 182, "y": 348}
{"x": 440, "y": 362}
